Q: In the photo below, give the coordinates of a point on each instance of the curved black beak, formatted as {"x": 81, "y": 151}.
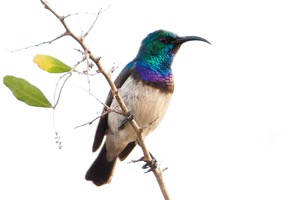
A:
{"x": 181, "y": 40}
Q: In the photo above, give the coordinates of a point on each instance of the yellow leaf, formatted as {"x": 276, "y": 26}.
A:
{"x": 51, "y": 64}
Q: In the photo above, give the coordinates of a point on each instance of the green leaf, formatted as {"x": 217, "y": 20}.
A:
{"x": 51, "y": 64}
{"x": 26, "y": 92}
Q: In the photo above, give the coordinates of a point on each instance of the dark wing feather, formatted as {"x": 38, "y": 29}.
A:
{"x": 123, "y": 155}
{"x": 103, "y": 125}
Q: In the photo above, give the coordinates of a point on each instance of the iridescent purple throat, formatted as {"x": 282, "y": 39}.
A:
{"x": 156, "y": 77}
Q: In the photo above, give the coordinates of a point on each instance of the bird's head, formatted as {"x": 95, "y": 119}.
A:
{"x": 160, "y": 46}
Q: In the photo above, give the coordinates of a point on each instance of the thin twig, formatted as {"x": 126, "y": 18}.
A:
{"x": 42, "y": 43}
{"x": 164, "y": 169}
{"x": 87, "y": 13}
{"x": 79, "y": 62}
{"x": 113, "y": 68}
{"x": 81, "y": 13}
{"x": 149, "y": 124}
{"x": 114, "y": 90}
{"x": 108, "y": 110}
{"x": 59, "y": 94}
{"x": 86, "y": 55}
{"x": 88, "y": 31}
{"x": 79, "y": 50}
{"x": 88, "y": 123}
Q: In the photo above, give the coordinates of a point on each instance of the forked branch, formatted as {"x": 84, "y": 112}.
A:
{"x": 157, "y": 172}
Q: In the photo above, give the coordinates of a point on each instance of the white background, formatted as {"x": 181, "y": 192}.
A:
{"x": 231, "y": 132}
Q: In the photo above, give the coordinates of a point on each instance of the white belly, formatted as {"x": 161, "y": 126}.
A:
{"x": 147, "y": 105}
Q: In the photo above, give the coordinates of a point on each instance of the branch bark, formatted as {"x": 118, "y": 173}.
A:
{"x": 157, "y": 172}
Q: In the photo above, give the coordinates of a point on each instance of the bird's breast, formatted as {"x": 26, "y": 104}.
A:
{"x": 148, "y": 105}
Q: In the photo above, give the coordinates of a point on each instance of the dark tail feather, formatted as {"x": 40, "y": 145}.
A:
{"x": 101, "y": 170}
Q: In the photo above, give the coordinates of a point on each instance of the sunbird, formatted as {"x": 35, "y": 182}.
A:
{"x": 146, "y": 85}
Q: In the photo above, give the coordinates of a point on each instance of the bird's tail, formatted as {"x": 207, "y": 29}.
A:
{"x": 101, "y": 170}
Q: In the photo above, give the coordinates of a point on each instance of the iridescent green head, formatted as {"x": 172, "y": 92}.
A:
{"x": 159, "y": 47}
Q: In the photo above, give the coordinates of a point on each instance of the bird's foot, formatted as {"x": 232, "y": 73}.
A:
{"x": 150, "y": 165}
{"x": 128, "y": 118}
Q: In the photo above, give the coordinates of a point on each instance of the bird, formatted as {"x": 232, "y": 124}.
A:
{"x": 146, "y": 85}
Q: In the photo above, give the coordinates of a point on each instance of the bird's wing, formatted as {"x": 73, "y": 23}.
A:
{"x": 103, "y": 125}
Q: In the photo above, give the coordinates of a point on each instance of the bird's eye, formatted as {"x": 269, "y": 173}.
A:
{"x": 165, "y": 40}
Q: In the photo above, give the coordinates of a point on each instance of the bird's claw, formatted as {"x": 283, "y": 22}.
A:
{"x": 152, "y": 165}
{"x": 149, "y": 164}
{"x": 128, "y": 118}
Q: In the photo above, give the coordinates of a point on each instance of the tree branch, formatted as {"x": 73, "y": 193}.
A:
{"x": 42, "y": 43}
{"x": 92, "y": 24}
{"x": 157, "y": 172}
